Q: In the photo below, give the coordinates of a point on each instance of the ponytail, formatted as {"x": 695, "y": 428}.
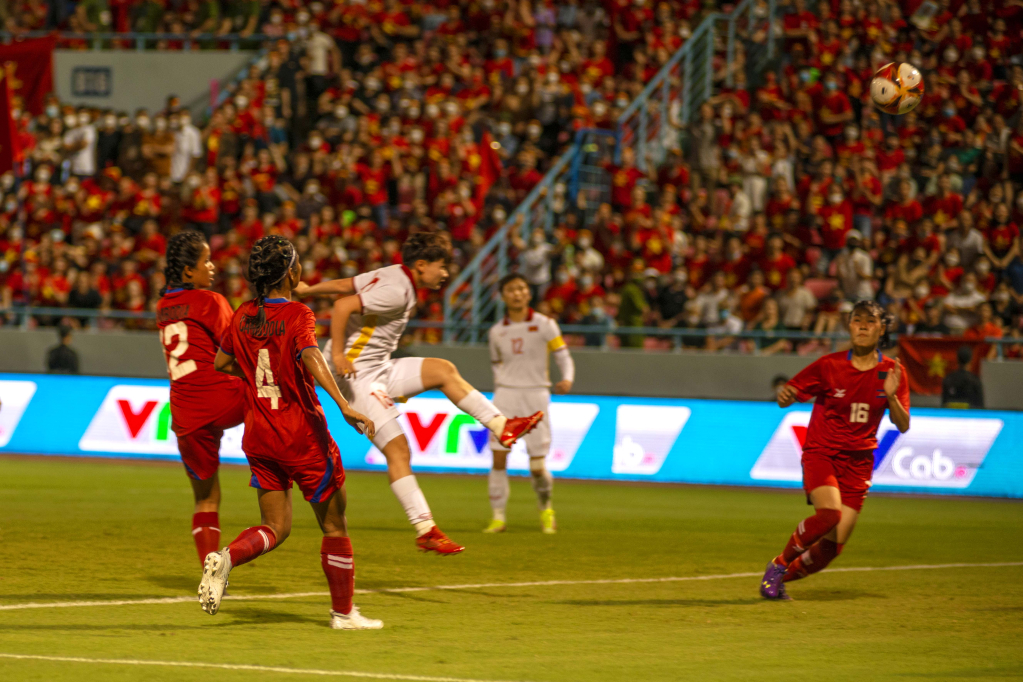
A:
{"x": 183, "y": 251}
{"x": 270, "y": 261}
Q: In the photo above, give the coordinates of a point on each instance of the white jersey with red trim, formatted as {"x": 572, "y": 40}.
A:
{"x": 520, "y": 351}
{"x": 388, "y": 297}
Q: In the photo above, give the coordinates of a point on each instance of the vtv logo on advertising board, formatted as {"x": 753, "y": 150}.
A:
{"x": 936, "y": 452}
{"x": 439, "y": 435}
{"x": 137, "y": 420}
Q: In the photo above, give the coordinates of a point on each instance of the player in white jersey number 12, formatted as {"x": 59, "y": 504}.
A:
{"x": 366, "y": 325}
{"x": 520, "y": 346}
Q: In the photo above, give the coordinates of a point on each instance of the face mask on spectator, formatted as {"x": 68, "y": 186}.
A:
{"x": 341, "y": 112}
{"x": 978, "y": 52}
{"x": 951, "y": 260}
{"x": 10, "y": 206}
{"x": 949, "y": 112}
{"x": 831, "y": 86}
{"x": 7, "y": 181}
{"x": 372, "y": 84}
{"x": 951, "y": 55}
{"x": 312, "y": 188}
{"x": 836, "y": 198}
{"x": 315, "y": 142}
{"x": 522, "y": 89}
{"x": 499, "y": 215}
{"x": 416, "y": 136}
{"x": 534, "y": 132}
{"x": 599, "y": 109}
{"x": 43, "y": 175}
{"x": 586, "y": 88}
{"x": 851, "y": 134}
{"x": 983, "y": 268}
{"x": 110, "y": 122}
{"x": 192, "y": 181}
{"x": 185, "y": 120}
{"x": 500, "y": 53}
{"x": 160, "y": 124}
{"x": 504, "y": 129}
{"x": 585, "y": 243}
{"x": 383, "y": 105}
{"x": 175, "y": 124}
{"x": 71, "y": 188}
{"x": 52, "y": 110}
{"x": 70, "y": 121}
{"x": 553, "y": 77}
{"x": 537, "y": 239}
{"x": 621, "y": 102}
{"x": 348, "y": 271}
{"x": 969, "y": 287}
{"x": 684, "y": 32}
{"x": 276, "y": 19}
{"x": 302, "y": 18}
{"x": 241, "y": 102}
{"x": 922, "y": 291}
{"x": 561, "y": 277}
{"x": 123, "y": 121}
{"x": 451, "y": 108}
{"x": 432, "y": 110}
{"x": 1001, "y": 296}
{"x": 585, "y": 282}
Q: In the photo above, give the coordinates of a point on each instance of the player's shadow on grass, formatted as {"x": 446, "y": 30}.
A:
{"x": 834, "y": 595}
{"x": 87, "y": 627}
{"x": 257, "y": 616}
{"x": 658, "y": 602}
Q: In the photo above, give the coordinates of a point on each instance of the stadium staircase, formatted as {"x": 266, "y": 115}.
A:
{"x": 652, "y": 124}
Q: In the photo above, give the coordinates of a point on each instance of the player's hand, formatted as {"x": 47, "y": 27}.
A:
{"x": 359, "y": 422}
{"x": 563, "y": 387}
{"x": 344, "y": 366}
{"x": 786, "y": 395}
{"x": 300, "y": 289}
{"x": 892, "y": 381}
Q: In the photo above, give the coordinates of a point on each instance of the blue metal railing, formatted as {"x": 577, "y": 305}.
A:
{"x": 141, "y": 41}
{"x": 652, "y": 124}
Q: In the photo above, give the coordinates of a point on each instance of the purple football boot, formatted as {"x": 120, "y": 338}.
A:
{"x": 771, "y": 586}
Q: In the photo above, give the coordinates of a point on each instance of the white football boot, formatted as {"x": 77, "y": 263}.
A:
{"x": 215, "y": 570}
{"x": 353, "y": 621}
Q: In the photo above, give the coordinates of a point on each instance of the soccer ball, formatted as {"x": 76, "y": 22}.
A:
{"x": 897, "y": 88}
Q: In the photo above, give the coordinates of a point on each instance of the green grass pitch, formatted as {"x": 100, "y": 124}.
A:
{"x": 106, "y": 531}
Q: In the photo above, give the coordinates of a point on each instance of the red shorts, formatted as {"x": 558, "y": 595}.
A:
{"x": 318, "y": 475}
{"x": 849, "y": 471}
{"x": 200, "y": 449}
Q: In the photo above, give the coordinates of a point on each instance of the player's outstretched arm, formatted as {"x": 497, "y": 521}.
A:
{"x": 226, "y": 364}
{"x": 343, "y": 309}
{"x": 313, "y": 359}
{"x": 335, "y": 287}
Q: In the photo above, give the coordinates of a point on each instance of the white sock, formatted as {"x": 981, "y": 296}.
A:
{"x": 499, "y": 489}
{"x": 414, "y": 503}
{"x": 543, "y": 483}
{"x": 483, "y": 410}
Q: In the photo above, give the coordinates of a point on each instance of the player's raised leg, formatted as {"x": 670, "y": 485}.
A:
{"x": 338, "y": 563}
{"x": 275, "y": 526}
{"x": 444, "y": 376}
{"x": 824, "y": 551}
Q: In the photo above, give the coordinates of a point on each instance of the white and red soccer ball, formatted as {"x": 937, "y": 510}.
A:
{"x": 897, "y": 88}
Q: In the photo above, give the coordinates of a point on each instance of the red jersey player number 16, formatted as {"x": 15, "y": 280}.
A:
{"x": 851, "y": 391}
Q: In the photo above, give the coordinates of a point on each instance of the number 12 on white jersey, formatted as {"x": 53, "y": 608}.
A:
{"x": 265, "y": 386}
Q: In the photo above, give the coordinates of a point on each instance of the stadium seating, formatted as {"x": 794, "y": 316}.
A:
{"x": 367, "y": 121}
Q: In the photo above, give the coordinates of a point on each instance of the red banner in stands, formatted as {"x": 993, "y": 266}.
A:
{"x": 28, "y": 64}
{"x": 10, "y": 153}
{"x": 490, "y": 170}
{"x": 928, "y": 360}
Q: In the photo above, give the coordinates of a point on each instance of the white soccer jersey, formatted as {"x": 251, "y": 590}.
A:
{"x": 520, "y": 351}
{"x": 388, "y": 298}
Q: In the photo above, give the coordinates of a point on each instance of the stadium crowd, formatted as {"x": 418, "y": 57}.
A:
{"x": 779, "y": 206}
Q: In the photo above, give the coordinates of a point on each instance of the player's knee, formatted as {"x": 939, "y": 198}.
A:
{"x": 537, "y": 466}
{"x": 830, "y": 517}
{"x": 446, "y": 369}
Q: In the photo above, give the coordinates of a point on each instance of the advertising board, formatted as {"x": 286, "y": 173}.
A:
{"x": 597, "y": 437}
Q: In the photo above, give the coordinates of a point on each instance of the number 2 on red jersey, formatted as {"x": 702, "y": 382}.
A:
{"x": 265, "y": 386}
{"x": 175, "y": 366}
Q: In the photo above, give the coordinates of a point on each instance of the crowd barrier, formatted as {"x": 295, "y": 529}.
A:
{"x": 630, "y": 439}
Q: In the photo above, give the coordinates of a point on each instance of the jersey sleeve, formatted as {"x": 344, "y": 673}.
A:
{"x": 552, "y": 335}
{"x": 379, "y": 297}
{"x": 809, "y": 381}
{"x": 495, "y": 350}
{"x": 305, "y": 330}
{"x": 219, "y": 315}
{"x": 226, "y": 339}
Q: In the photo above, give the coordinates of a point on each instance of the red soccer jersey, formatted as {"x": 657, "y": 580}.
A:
{"x": 849, "y": 404}
{"x": 284, "y": 420}
{"x": 192, "y": 322}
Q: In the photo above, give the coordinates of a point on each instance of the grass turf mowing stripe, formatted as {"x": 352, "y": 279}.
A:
{"x": 232, "y": 666}
{"x": 477, "y": 586}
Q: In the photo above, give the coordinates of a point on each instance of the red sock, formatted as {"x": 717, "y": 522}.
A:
{"x": 252, "y": 543}
{"x": 812, "y": 560}
{"x": 809, "y": 531}
{"x": 336, "y": 557}
{"x": 206, "y": 531}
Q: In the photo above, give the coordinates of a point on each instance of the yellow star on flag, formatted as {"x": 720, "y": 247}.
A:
{"x": 937, "y": 365}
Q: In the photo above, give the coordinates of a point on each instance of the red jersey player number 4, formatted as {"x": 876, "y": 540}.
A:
{"x": 271, "y": 345}
{"x": 851, "y": 391}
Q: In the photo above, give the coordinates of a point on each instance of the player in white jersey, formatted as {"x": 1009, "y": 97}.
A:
{"x": 365, "y": 329}
{"x": 520, "y": 348}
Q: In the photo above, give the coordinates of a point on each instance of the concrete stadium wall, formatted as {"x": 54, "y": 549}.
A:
{"x": 126, "y": 80}
{"x": 621, "y": 373}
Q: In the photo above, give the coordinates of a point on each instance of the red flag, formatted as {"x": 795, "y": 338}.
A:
{"x": 929, "y": 359}
{"x": 28, "y": 64}
{"x": 490, "y": 169}
{"x": 10, "y": 152}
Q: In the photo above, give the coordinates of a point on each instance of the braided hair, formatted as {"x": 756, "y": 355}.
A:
{"x": 183, "y": 251}
{"x": 872, "y": 307}
{"x": 270, "y": 260}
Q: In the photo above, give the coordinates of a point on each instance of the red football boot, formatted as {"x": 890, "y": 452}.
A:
{"x": 517, "y": 427}
{"x": 434, "y": 540}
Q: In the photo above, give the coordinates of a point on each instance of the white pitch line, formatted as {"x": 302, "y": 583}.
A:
{"x": 477, "y": 586}
{"x": 231, "y": 666}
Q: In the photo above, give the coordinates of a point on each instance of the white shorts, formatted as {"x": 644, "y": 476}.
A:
{"x": 522, "y": 402}
{"x": 374, "y": 390}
